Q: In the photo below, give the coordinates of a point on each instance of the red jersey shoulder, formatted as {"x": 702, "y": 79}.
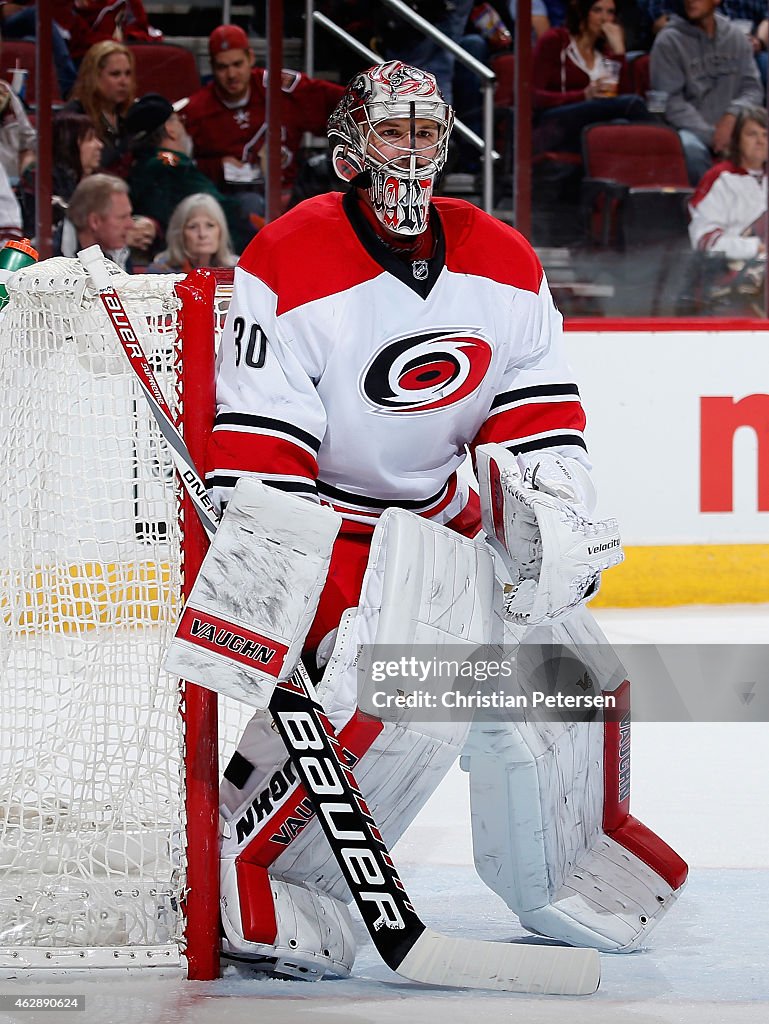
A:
{"x": 711, "y": 176}
{"x": 309, "y": 253}
{"x": 483, "y": 246}
{"x": 200, "y": 103}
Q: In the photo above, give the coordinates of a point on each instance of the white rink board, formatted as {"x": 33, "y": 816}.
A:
{"x": 642, "y": 391}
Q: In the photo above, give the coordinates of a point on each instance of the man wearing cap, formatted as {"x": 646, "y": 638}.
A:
{"x": 227, "y": 118}
{"x": 164, "y": 172}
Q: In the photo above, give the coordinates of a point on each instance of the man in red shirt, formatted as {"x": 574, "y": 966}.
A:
{"x": 226, "y": 118}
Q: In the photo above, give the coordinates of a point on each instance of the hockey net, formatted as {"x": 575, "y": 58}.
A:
{"x": 107, "y": 764}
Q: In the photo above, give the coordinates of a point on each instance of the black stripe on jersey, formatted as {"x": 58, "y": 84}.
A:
{"x": 257, "y": 423}
{"x": 363, "y": 501}
{"x": 551, "y": 441}
{"x": 295, "y": 486}
{"x": 565, "y": 391}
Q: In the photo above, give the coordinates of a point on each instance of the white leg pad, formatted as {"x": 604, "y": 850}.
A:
{"x": 423, "y": 584}
{"x": 314, "y": 930}
{"x": 551, "y": 830}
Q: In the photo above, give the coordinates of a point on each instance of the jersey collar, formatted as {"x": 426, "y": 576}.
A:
{"x": 388, "y": 260}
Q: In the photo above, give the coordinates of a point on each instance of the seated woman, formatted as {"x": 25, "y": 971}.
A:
{"x": 579, "y": 75}
{"x": 76, "y": 153}
{"x": 104, "y": 90}
{"x": 197, "y": 236}
{"x": 728, "y": 210}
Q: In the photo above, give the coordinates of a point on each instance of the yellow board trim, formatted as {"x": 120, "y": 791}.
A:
{"x": 676, "y": 574}
{"x": 76, "y": 597}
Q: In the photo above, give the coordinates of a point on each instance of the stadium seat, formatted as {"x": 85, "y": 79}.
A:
{"x": 503, "y": 66}
{"x": 636, "y": 186}
{"x": 20, "y": 53}
{"x": 640, "y": 74}
{"x": 166, "y": 69}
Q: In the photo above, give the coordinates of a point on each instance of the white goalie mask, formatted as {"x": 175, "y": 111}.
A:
{"x": 391, "y": 129}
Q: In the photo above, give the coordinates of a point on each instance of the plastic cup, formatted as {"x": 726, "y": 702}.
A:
{"x": 656, "y": 101}
{"x": 19, "y": 81}
{"x": 610, "y": 78}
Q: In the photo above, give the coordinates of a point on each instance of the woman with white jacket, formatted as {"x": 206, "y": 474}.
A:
{"x": 728, "y": 209}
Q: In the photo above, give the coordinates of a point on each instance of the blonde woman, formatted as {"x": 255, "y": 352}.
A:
{"x": 104, "y": 90}
{"x": 197, "y": 236}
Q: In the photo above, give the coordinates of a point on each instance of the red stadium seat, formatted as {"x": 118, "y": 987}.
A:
{"x": 166, "y": 69}
{"x": 636, "y": 185}
{"x": 503, "y": 66}
{"x": 640, "y": 74}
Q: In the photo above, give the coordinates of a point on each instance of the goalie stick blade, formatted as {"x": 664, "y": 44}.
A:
{"x": 474, "y": 963}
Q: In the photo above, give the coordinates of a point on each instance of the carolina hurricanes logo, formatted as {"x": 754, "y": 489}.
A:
{"x": 403, "y": 79}
{"x": 425, "y": 372}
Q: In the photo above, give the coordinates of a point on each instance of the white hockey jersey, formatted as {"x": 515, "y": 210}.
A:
{"x": 348, "y": 373}
{"x": 726, "y": 210}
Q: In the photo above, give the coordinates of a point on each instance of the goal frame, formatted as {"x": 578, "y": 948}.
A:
{"x": 200, "y": 905}
{"x": 186, "y": 315}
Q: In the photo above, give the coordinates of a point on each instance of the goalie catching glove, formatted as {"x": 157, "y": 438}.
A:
{"x": 537, "y": 515}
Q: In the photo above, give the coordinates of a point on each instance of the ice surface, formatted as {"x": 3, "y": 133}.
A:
{"x": 703, "y": 787}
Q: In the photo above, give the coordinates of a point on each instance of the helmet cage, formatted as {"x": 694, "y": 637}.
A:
{"x": 400, "y": 176}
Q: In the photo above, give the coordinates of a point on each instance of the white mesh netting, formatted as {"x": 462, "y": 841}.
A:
{"x": 91, "y": 782}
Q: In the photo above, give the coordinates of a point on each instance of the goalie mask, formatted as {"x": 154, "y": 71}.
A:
{"x": 391, "y": 131}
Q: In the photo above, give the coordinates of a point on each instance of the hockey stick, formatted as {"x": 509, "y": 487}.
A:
{"x": 406, "y": 945}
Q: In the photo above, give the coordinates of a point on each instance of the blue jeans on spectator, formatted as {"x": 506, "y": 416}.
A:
{"x": 21, "y": 25}
{"x": 429, "y": 56}
{"x": 699, "y": 157}
{"x": 560, "y": 128}
{"x": 468, "y": 101}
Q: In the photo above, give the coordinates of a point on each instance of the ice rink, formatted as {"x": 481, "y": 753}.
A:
{"x": 702, "y": 786}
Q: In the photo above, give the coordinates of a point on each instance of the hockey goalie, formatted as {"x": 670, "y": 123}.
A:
{"x": 377, "y": 338}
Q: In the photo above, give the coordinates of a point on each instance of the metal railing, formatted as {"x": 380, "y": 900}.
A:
{"x": 487, "y": 77}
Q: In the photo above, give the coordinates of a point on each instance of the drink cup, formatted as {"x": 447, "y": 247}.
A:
{"x": 656, "y": 101}
{"x": 610, "y": 78}
{"x": 19, "y": 81}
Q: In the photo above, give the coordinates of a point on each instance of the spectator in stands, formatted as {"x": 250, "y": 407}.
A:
{"x": 92, "y": 21}
{"x": 104, "y": 90}
{"x": 197, "y": 237}
{"x": 17, "y": 136}
{"x": 750, "y": 16}
{"x": 728, "y": 210}
{"x": 579, "y": 77}
{"x": 402, "y": 42}
{"x": 705, "y": 65}
{"x": 164, "y": 173}
{"x": 18, "y": 21}
{"x": 543, "y": 15}
{"x": 658, "y": 12}
{"x": 76, "y": 153}
{"x": 99, "y": 213}
{"x": 227, "y": 118}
